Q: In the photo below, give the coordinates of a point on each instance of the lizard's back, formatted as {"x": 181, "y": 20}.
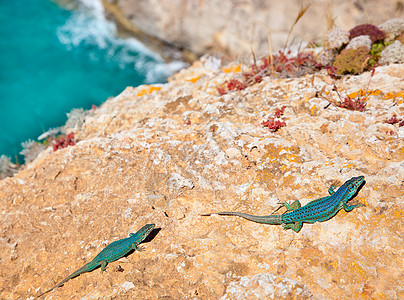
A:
{"x": 324, "y": 208}
{"x": 318, "y": 210}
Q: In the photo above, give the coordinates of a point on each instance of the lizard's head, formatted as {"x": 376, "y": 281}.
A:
{"x": 353, "y": 185}
{"x": 145, "y": 230}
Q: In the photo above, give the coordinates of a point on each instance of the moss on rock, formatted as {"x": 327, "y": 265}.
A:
{"x": 351, "y": 61}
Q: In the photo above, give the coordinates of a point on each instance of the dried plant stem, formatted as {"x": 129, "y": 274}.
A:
{"x": 302, "y": 11}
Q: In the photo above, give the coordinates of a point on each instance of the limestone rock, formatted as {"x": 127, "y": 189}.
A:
{"x": 393, "y": 53}
{"x": 393, "y": 28}
{"x": 360, "y": 41}
{"x": 234, "y": 27}
{"x": 166, "y": 154}
{"x": 337, "y": 37}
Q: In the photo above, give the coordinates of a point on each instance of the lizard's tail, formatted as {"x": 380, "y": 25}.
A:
{"x": 83, "y": 269}
{"x": 271, "y": 219}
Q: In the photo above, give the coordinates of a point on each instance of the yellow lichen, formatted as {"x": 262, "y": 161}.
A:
{"x": 313, "y": 110}
{"x": 334, "y": 264}
{"x": 378, "y": 218}
{"x": 398, "y": 214}
{"x": 355, "y": 266}
{"x": 148, "y": 89}
{"x": 292, "y": 157}
{"x": 349, "y": 166}
{"x": 235, "y": 69}
{"x": 392, "y": 95}
{"x": 193, "y": 80}
{"x": 364, "y": 93}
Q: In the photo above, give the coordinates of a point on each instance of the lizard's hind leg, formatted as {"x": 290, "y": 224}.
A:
{"x": 103, "y": 265}
{"x": 290, "y": 207}
{"x": 296, "y": 226}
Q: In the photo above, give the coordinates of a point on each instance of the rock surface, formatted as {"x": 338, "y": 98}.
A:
{"x": 165, "y": 154}
{"x": 233, "y": 27}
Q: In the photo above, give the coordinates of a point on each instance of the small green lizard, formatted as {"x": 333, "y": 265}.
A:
{"x": 110, "y": 253}
{"x": 319, "y": 210}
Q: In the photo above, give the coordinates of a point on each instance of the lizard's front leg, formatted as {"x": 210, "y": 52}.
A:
{"x": 138, "y": 248}
{"x": 331, "y": 190}
{"x": 349, "y": 208}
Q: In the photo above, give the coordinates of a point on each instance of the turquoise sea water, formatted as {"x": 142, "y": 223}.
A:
{"x": 54, "y": 59}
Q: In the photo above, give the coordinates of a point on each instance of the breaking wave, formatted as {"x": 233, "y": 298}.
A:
{"x": 88, "y": 27}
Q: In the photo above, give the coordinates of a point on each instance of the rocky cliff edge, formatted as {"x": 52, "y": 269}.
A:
{"x": 165, "y": 154}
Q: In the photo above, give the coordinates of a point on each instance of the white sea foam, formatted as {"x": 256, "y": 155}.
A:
{"x": 89, "y": 27}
